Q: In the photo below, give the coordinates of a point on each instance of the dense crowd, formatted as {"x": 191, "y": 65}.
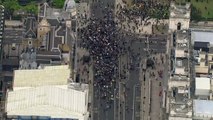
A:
{"x": 140, "y": 14}
{"x": 144, "y": 10}
{"x": 100, "y": 39}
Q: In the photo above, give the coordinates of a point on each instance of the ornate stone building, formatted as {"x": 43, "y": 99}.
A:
{"x": 179, "y": 17}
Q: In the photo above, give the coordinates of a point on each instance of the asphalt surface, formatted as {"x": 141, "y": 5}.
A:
{"x": 152, "y": 89}
{"x": 102, "y": 108}
{"x": 140, "y": 47}
{"x": 125, "y": 104}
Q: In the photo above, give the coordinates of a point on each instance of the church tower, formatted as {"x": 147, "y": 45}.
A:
{"x": 179, "y": 17}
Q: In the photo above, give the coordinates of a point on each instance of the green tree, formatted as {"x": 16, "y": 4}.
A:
{"x": 77, "y": 1}
{"x": 31, "y": 8}
{"x": 11, "y": 6}
{"x": 58, "y": 3}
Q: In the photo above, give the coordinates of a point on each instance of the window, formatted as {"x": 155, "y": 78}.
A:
{"x": 30, "y": 42}
{"x": 179, "y": 26}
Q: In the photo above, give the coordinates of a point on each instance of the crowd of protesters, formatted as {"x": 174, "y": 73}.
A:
{"x": 100, "y": 38}
{"x": 140, "y": 14}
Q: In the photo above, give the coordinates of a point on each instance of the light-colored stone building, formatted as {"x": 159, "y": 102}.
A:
{"x": 179, "y": 17}
{"x": 179, "y": 102}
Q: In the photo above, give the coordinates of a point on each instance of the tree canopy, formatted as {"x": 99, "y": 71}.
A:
{"x": 58, "y": 3}
{"x": 31, "y": 8}
{"x": 11, "y": 5}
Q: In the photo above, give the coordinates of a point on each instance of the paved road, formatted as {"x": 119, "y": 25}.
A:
{"x": 137, "y": 51}
{"x": 126, "y": 93}
{"x": 103, "y": 109}
{"x": 152, "y": 89}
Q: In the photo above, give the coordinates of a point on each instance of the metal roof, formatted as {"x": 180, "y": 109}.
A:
{"x": 202, "y": 36}
{"x": 202, "y": 83}
{"x": 53, "y": 101}
{"x": 203, "y": 108}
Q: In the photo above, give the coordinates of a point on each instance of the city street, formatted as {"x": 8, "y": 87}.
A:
{"x": 102, "y": 108}
{"x": 152, "y": 88}
{"x": 138, "y": 50}
{"x": 124, "y": 99}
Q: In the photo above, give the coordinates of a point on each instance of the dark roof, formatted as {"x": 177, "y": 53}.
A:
{"x": 48, "y": 58}
{"x": 30, "y": 24}
{"x": 73, "y": 25}
{"x": 201, "y": 44}
{"x": 57, "y": 41}
{"x": 55, "y": 36}
{"x": 12, "y": 62}
{"x": 44, "y": 57}
{"x": 53, "y": 22}
{"x": 47, "y": 53}
{"x": 62, "y": 30}
{"x": 12, "y": 36}
{"x": 51, "y": 38}
{"x": 41, "y": 61}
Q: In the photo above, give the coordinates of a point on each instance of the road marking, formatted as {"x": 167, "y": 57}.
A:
{"x": 133, "y": 105}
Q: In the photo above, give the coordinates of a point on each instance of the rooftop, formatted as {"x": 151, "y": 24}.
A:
{"x": 182, "y": 39}
{"x": 180, "y": 102}
{"x": 202, "y": 83}
{"x": 198, "y": 44}
{"x": 180, "y": 78}
{"x": 52, "y": 13}
{"x": 48, "y": 75}
{"x": 40, "y": 101}
{"x": 182, "y": 36}
{"x": 30, "y": 24}
{"x": 203, "y": 108}
{"x": 202, "y": 36}
{"x": 13, "y": 35}
{"x": 180, "y": 11}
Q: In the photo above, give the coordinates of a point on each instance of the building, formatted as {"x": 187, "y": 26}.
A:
{"x": 2, "y": 83}
{"x": 181, "y": 56}
{"x": 203, "y": 109}
{"x": 203, "y": 51}
{"x": 202, "y": 35}
{"x": 201, "y": 46}
{"x": 179, "y": 17}
{"x": 48, "y": 75}
{"x": 46, "y": 92}
{"x": 179, "y": 102}
{"x": 2, "y": 21}
{"x": 202, "y": 87}
{"x": 70, "y": 6}
{"x": 201, "y": 66}
{"x": 47, "y": 101}
{"x": 54, "y": 34}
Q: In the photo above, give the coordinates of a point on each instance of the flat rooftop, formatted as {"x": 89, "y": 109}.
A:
{"x": 202, "y": 83}
{"x": 202, "y": 36}
{"x": 182, "y": 63}
{"x": 203, "y": 108}
{"x": 180, "y": 78}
